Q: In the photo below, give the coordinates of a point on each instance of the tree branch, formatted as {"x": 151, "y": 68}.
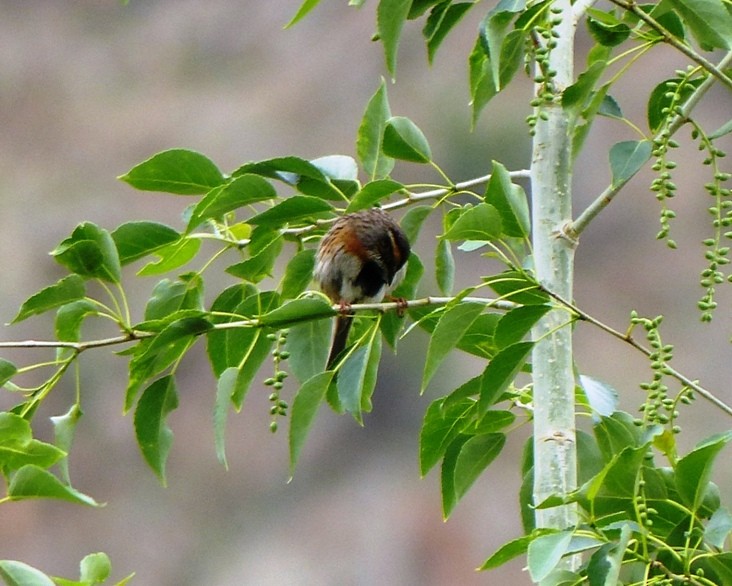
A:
{"x": 591, "y": 211}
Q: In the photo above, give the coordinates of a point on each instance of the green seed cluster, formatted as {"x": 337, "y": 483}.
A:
{"x": 278, "y": 406}
{"x": 541, "y": 43}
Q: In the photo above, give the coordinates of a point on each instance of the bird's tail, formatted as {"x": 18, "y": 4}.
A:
{"x": 340, "y": 337}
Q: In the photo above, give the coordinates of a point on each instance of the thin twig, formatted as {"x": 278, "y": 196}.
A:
{"x": 628, "y": 338}
{"x": 633, "y": 7}
{"x": 611, "y": 191}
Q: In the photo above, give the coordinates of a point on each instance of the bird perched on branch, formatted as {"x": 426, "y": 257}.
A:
{"x": 360, "y": 259}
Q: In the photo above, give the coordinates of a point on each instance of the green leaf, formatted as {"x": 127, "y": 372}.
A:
{"x": 371, "y": 135}
{"x": 444, "y": 267}
{"x": 500, "y": 373}
{"x": 69, "y": 318}
{"x": 493, "y": 34}
{"x": 515, "y": 324}
{"x": 510, "y": 201}
{"x": 298, "y": 310}
{"x": 517, "y": 287}
{"x": 171, "y": 257}
{"x": 308, "y": 345}
{"x": 392, "y": 323}
{"x": 298, "y": 274}
{"x": 304, "y": 409}
{"x": 18, "y": 448}
{"x": 605, "y": 564}
{"x": 627, "y": 158}
{"x": 34, "y": 482}
{"x": 718, "y": 528}
{"x": 65, "y": 291}
{"x": 663, "y": 96}
{"x": 481, "y": 222}
{"x": 304, "y": 9}
{"x": 151, "y": 429}
{"x": 475, "y": 456}
{"x": 137, "y": 239}
{"x": 442, "y": 424}
{"x": 372, "y": 193}
{"x": 440, "y": 22}
{"x": 357, "y": 378}
{"x": 169, "y": 296}
{"x": 19, "y": 574}
{"x": 292, "y": 209}
{"x": 261, "y": 264}
{"x": 64, "y": 427}
{"x": 694, "y": 469}
{"x": 403, "y": 140}
{"x": 95, "y": 568}
{"x": 242, "y": 191}
{"x": 287, "y": 169}
{"x": 225, "y": 389}
{"x": 177, "y": 171}
{"x": 603, "y": 398}
{"x": 390, "y": 17}
{"x": 447, "y": 475}
{"x": 7, "y": 371}
{"x": 608, "y": 34}
{"x": 90, "y": 252}
{"x": 545, "y": 552}
{"x": 509, "y": 551}
{"x": 709, "y": 20}
{"x": 453, "y": 323}
{"x": 412, "y": 221}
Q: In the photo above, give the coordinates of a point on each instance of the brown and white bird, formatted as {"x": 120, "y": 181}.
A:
{"x": 360, "y": 259}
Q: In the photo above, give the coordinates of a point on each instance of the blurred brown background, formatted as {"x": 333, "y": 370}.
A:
{"x": 89, "y": 88}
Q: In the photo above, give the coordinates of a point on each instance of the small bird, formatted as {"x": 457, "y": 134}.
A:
{"x": 360, "y": 259}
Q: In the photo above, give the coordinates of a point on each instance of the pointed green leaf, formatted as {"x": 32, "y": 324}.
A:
{"x": 372, "y": 193}
{"x": 608, "y": 34}
{"x": 308, "y": 344}
{"x": 403, "y": 140}
{"x": 390, "y": 17}
{"x": 90, "y": 252}
{"x": 709, "y": 20}
{"x": 7, "y": 371}
{"x": 177, "y": 171}
{"x": 517, "y": 287}
{"x": 357, "y": 378}
{"x": 511, "y": 202}
{"x": 718, "y": 528}
{"x": 261, "y": 264}
{"x": 304, "y": 409}
{"x": 453, "y": 323}
{"x": 242, "y": 191}
{"x": 304, "y": 9}
{"x": 171, "y": 257}
{"x": 412, "y": 221}
{"x": 545, "y": 552}
{"x": 444, "y": 267}
{"x": 627, "y": 158}
{"x": 19, "y": 574}
{"x": 493, "y": 32}
{"x": 501, "y": 371}
{"x": 440, "y": 22}
{"x": 225, "y": 389}
{"x": 69, "y": 318}
{"x": 603, "y": 398}
{"x": 663, "y": 96}
{"x": 292, "y": 209}
{"x": 34, "y": 482}
{"x": 694, "y": 469}
{"x": 65, "y": 291}
{"x": 442, "y": 424}
{"x": 151, "y": 429}
{"x": 509, "y": 551}
{"x": 481, "y": 222}
{"x": 447, "y": 475}
{"x": 64, "y": 427}
{"x": 515, "y": 324}
{"x": 298, "y": 274}
{"x": 371, "y": 135}
{"x": 18, "y": 448}
{"x": 170, "y": 296}
{"x": 137, "y": 239}
{"x": 475, "y": 456}
{"x": 298, "y": 310}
